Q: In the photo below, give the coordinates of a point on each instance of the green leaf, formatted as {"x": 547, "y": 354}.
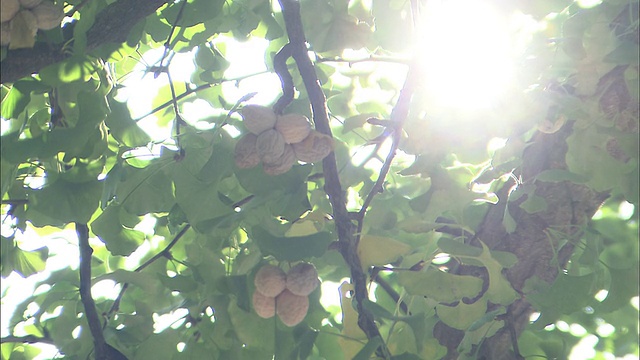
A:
{"x": 459, "y": 249}
{"x": 63, "y": 202}
{"x": 378, "y": 250}
{"x": 440, "y": 286}
{"x": 367, "y": 351}
{"x": 355, "y": 122}
{"x": 122, "y": 126}
{"x": 625, "y": 54}
{"x": 8, "y": 172}
{"x": 142, "y": 191}
{"x": 158, "y": 345}
{"x": 534, "y": 204}
{"x": 87, "y": 17}
{"x": 291, "y": 248}
{"x": 144, "y": 280}
{"x": 119, "y": 239}
{"x": 624, "y": 286}
{"x": 198, "y": 199}
{"x": 75, "y": 69}
{"x": 25, "y": 263}
{"x": 255, "y": 181}
{"x": 475, "y": 337}
{"x": 559, "y": 175}
{"x": 14, "y": 103}
{"x": 179, "y": 283}
{"x": 500, "y": 290}
{"x": 567, "y": 295}
{"x": 461, "y": 316}
{"x": 252, "y": 330}
{"x": 486, "y": 318}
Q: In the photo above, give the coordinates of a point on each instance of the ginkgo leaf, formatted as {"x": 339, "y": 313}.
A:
{"x": 354, "y": 338}
{"x": 461, "y": 316}
{"x": 378, "y": 250}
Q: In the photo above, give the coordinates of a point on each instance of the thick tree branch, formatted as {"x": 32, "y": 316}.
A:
{"x": 344, "y": 226}
{"x": 112, "y": 25}
{"x": 29, "y": 339}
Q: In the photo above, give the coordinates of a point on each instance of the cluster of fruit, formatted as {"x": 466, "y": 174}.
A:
{"x": 21, "y": 19}
{"x": 278, "y": 141}
{"x": 284, "y": 294}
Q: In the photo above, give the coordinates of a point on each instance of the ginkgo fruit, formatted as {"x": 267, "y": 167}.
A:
{"x": 270, "y": 280}
{"x": 291, "y": 308}
{"x": 258, "y": 119}
{"x": 265, "y": 306}
{"x": 302, "y": 279}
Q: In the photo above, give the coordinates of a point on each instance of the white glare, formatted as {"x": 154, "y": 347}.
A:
{"x": 584, "y": 349}
{"x": 173, "y": 319}
{"x": 626, "y": 210}
{"x": 587, "y": 4}
{"x": 466, "y": 48}
{"x": 106, "y": 289}
{"x": 601, "y": 295}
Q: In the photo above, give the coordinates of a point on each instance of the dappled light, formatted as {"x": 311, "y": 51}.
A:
{"x": 319, "y": 179}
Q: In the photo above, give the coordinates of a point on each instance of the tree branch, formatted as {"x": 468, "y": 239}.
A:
{"x": 344, "y": 226}
{"x": 112, "y": 25}
{"x": 29, "y": 339}
{"x": 95, "y": 326}
{"x": 164, "y": 253}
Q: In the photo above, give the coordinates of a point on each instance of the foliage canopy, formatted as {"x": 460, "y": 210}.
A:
{"x": 445, "y": 244}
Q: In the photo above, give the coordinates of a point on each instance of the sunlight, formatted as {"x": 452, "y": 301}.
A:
{"x": 466, "y": 48}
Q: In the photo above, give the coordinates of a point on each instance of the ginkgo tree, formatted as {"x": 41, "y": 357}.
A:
{"x": 425, "y": 228}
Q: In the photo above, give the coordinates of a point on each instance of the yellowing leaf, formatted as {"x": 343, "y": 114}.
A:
{"x": 354, "y": 338}
{"x": 378, "y": 250}
{"x": 462, "y": 315}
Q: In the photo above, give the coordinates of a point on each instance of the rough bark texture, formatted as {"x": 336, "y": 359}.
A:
{"x": 568, "y": 207}
{"x": 112, "y": 25}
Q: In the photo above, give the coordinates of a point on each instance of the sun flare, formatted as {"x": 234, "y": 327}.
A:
{"x": 466, "y": 47}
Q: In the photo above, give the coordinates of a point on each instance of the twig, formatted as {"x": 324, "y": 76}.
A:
{"x": 29, "y": 339}
{"x": 164, "y": 253}
{"x": 390, "y": 291}
{"x": 15, "y": 202}
{"x": 370, "y": 58}
{"x": 195, "y": 90}
{"x": 280, "y": 67}
{"x": 398, "y": 116}
{"x": 512, "y": 334}
{"x": 99, "y": 343}
{"x": 345, "y": 228}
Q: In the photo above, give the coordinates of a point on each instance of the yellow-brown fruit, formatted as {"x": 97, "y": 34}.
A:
{"x": 283, "y": 164}
{"x": 258, "y": 119}
{"x": 8, "y": 9}
{"x": 24, "y": 27}
{"x": 265, "y": 306}
{"x": 29, "y": 4}
{"x": 270, "y": 280}
{"x": 293, "y": 127}
{"x": 245, "y": 154}
{"x": 314, "y": 147}
{"x": 291, "y": 308}
{"x": 302, "y": 279}
{"x": 270, "y": 146}
{"x": 49, "y": 15}
{"x": 5, "y": 33}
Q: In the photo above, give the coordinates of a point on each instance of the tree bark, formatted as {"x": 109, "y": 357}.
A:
{"x": 569, "y": 206}
{"x": 112, "y": 25}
